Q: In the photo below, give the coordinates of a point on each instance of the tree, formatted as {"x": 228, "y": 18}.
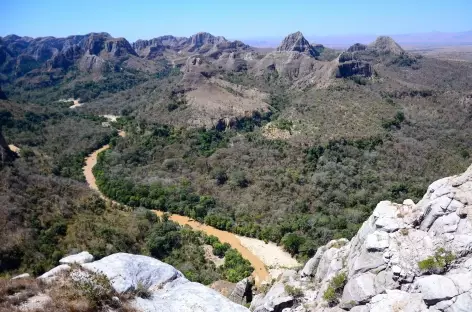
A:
{"x": 219, "y": 174}
{"x": 164, "y": 237}
{"x": 292, "y": 242}
{"x": 239, "y": 178}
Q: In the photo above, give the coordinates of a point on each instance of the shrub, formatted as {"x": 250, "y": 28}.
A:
{"x": 164, "y": 237}
{"x": 330, "y": 295}
{"x": 220, "y": 249}
{"x": 219, "y": 174}
{"x": 284, "y": 124}
{"x": 236, "y": 267}
{"x": 334, "y": 290}
{"x": 395, "y": 122}
{"x": 238, "y": 178}
{"x": 292, "y": 242}
{"x": 142, "y": 291}
{"x": 438, "y": 262}
{"x": 293, "y": 291}
{"x": 339, "y": 281}
{"x": 95, "y": 287}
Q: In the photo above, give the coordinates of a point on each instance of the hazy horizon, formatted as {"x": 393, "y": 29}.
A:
{"x": 433, "y": 38}
{"x": 245, "y": 20}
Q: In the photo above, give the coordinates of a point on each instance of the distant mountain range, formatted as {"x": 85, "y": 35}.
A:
{"x": 413, "y": 39}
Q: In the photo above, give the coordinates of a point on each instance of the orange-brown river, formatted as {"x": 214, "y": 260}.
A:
{"x": 260, "y": 271}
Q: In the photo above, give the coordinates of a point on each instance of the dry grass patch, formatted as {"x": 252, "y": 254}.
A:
{"x": 65, "y": 294}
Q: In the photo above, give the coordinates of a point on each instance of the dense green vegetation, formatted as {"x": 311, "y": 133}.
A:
{"x": 58, "y": 138}
{"x": 182, "y": 248}
{"x": 75, "y": 84}
{"x": 45, "y": 215}
{"x": 84, "y": 222}
{"x": 227, "y": 178}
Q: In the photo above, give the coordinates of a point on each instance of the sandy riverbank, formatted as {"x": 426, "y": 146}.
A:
{"x": 272, "y": 255}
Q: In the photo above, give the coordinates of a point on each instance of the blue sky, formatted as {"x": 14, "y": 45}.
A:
{"x": 234, "y": 19}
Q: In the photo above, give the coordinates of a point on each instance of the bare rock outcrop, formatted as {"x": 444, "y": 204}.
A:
{"x": 296, "y": 59}
{"x": 359, "y": 59}
{"x": 405, "y": 257}
{"x": 21, "y": 55}
{"x": 154, "y": 48}
{"x": 201, "y": 43}
{"x": 386, "y": 45}
{"x": 168, "y": 289}
{"x": 242, "y": 292}
{"x": 297, "y": 43}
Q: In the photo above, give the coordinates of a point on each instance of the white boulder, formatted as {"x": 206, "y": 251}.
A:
{"x": 187, "y": 297}
{"x": 170, "y": 290}
{"x": 436, "y": 288}
{"x": 80, "y": 258}
{"x": 397, "y": 300}
{"x": 359, "y": 289}
{"x": 53, "y": 273}
{"x": 127, "y": 271}
{"x": 24, "y": 275}
{"x": 377, "y": 241}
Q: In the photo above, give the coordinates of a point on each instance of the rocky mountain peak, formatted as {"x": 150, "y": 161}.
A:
{"x": 386, "y": 45}
{"x": 203, "y": 38}
{"x": 155, "y": 47}
{"x": 296, "y": 42}
{"x": 103, "y": 42}
{"x": 357, "y": 47}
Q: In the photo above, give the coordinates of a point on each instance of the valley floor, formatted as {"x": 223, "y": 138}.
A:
{"x": 257, "y": 252}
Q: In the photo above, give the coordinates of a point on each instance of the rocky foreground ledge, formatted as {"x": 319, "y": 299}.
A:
{"x": 405, "y": 257}
{"x": 155, "y": 285}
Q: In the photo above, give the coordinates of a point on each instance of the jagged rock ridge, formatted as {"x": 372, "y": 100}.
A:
{"x": 201, "y": 43}
{"x": 405, "y": 257}
{"x": 20, "y": 55}
{"x": 296, "y": 60}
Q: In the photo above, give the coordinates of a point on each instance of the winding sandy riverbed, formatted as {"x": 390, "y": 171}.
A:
{"x": 255, "y": 251}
